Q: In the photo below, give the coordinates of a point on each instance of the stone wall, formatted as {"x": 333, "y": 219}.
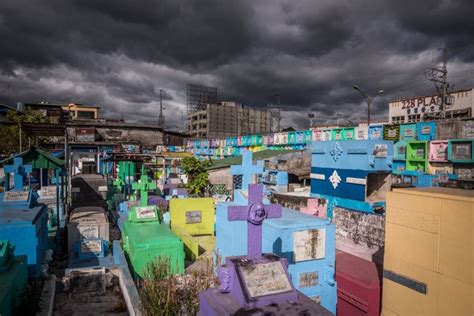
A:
{"x": 360, "y": 234}
{"x": 293, "y": 202}
{"x": 221, "y": 176}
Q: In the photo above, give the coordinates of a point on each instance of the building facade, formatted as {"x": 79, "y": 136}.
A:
{"x": 461, "y": 104}
{"x": 79, "y": 111}
{"x": 224, "y": 119}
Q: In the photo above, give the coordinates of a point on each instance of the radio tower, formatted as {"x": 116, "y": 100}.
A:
{"x": 161, "y": 117}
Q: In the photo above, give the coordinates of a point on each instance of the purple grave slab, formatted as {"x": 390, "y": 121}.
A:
{"x": 158, "y": 201}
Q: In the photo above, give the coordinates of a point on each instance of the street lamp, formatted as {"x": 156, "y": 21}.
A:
{"x": 369, "y": 100}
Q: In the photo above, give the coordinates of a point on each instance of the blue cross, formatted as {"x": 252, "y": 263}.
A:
{"x": 19, "y": 170}
{"x": 247, "y": 169}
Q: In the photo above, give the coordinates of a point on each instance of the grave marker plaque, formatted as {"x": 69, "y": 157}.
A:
{"x": 48, "y": 192}
{"x": 263, "y": 279}
{"x": 193, "y": 217}
{"x": 462, "y": 151}
{"x": 88, "y": 232}
{"x": 91, "y": 246}
{"x": 381, "y": 150}
{"x": 146, "y": 212}
{"x": 16, "y": 196}
{"x": 309, "y": 244}
{"x": 308, "y": 279}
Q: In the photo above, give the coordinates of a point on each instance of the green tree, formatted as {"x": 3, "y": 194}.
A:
{"x": 195, "y": 170}
{"x": 10, "y": 133}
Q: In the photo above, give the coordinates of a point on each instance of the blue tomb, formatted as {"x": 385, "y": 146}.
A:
{"x": 375, "y": 132}
{"x": 290, "y": 237}
{"x": 308, "y": 244}
{"x": 22, "y": 221}
{"x": 425, "y": 130}
{"x": 354, "y": 173}
{"x": 91, "y": 253}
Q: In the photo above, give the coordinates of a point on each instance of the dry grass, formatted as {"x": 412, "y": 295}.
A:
{"x": 175, "y": 295}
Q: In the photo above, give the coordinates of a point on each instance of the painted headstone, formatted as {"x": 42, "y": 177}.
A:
{"x": 146, "y": 239}
{"x": 308, "y": 243}
{"x": 256, "y": 280}
{"x": 21, "y": 222}
{"x": 356, "y": 173}
{"x": 192, "y": 220}
{"x": 144, "y": 186}
{"x": 13, "y": 278}
{"x": 16, "y": 196}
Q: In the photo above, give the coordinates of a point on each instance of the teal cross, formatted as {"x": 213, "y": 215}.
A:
{"x": 247, "y": 169}
{"x": 144, "y": 186}
{"x": 19, "y": 169}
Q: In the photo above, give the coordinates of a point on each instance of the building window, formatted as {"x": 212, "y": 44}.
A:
{"x": 398, "y": 119}
{"x": 86, "y": 114}
{"x": 414, "y": 118}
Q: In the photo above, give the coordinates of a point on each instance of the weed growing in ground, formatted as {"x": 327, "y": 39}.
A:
{"x": 162, "y": 294}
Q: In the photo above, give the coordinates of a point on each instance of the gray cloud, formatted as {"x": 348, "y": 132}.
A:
{"x": 119, "y": 55}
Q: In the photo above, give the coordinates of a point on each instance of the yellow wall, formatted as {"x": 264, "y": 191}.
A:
{"x": 429, "y": 238}
{"x": 78, "y": 108}
{"x": 179, "y": 207}
{"x": 197, "y": 237}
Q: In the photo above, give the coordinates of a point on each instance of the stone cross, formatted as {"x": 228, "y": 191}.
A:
{"x": 254, "y": 213}
{"x": 247, "y": 169}
{"x": 144, "y": 186}
{"x": 19, "y": 169}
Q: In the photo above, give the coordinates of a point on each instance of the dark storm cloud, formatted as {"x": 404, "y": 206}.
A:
{"x": 119, "y": 54}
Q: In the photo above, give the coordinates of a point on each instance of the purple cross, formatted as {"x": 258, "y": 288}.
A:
{"x": 254, "y": 213}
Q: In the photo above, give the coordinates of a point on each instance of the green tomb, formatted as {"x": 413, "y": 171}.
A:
{"x": 146, "y": 239}
{"x": 13, "y": 278}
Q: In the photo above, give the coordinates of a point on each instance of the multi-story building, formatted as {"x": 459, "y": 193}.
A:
{"x": 459, "y": 104}
{"x": 224, "y": 119}
{"x": 80, "y": 111}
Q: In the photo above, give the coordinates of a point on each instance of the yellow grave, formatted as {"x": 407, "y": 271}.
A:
{"x": 429, "y": 252}
{"x": 192, "y": 220}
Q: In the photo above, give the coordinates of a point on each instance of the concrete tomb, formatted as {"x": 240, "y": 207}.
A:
{"x": 23, "y": 222}
{"x": 255, "y": 281}
{"x": 13, "y": 278}
{"x": 308, "y": 244}
{"x": 356, "y": 174}
{"x": 87, "y": 222}
{"x": 145, "y": 239}
{"x": 192, "y": 220}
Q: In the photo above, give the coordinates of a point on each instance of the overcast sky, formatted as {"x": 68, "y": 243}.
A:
{"x": 119, "y": 54}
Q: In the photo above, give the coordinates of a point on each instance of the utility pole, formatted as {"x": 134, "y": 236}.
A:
{"x": 439, "y": 76}
{"x": 278, "y": 113}
{"x": 161, "y": 117}
{"x": 311, "y": 117}
{"x": 445, "y": 81}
